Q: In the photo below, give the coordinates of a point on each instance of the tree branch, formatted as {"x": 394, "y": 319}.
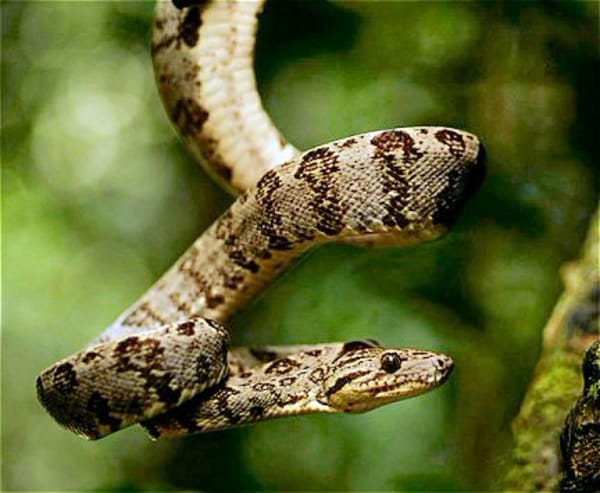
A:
{"x": 535, "y": 462}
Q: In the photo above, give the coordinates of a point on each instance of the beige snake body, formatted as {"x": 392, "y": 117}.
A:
{"x": 393, "y": 187}
{"x": 203, "y": 57}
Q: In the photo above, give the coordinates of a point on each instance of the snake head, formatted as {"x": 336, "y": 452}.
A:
{"x": 425, "y": 177}
{"x": 370, "y": 376}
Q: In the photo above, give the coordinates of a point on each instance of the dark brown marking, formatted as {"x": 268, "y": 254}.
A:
{"x": 161, "y": 384}
{"x": 287, "y": 381}
{"x": 278, "y": 242}
{"x": 223, "y": 225}
{"x": 390, "y": 141}
{"x": 232, "y": 281}
{"x": 189, "y": 27}
{"x": 453, "y": 140}
{"x": 462, "y": 184}
{"x": 348, "y": 143}
{"x": 214, "y": 324}
{"x": 287, "y": 399}
{"x": 342, "y": 381}
{"x": 238, "y": 258}
{"x": 317, "y": 375}
{"x": 98, "y": 406}
{"x": 125, "y": 346}
{"x": 316, "y": 169}
{"x": 134, "y": 354}
{"x": 270, "y": 227}
{"x": 262, "y": 355}
{"x": 395, "y": 217}
{"x": 396, "y": 185}
{"x": 354, "y": 356}
{"x": 264, "y": 254}
{"x": 162, "y": 45}
{"x": 282, "y": 366}
{"x": 180, "y": 4}
{"x": 189, "y": 116}
{"x": 222, "y": 397}
{"x": 65, "y": 378}
{"x": 222, "y": 170}
{"x": 320, "y": 154}
{"x": 214, "y": 301}
{"x": 90, "y": 356}
{"x": 313, "y": 352}
{"x": 263, "y": 387}
{"x": 186, "y": 328}
{"x": 256, "y": 412}
{"x": 354, "y": 345}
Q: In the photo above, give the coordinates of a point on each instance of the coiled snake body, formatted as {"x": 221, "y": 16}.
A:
{"x": 165, "y": 361}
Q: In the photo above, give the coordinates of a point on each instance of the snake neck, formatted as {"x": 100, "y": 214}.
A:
{"x": 206, "y": 81}
{"x": 262, "y": 384}
{"x": 276, "y": 382}
{"x": 224, "y": 268}
{"x": 371, "y": 186}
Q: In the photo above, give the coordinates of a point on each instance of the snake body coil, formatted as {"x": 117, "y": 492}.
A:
{"x": 162, "y": 364}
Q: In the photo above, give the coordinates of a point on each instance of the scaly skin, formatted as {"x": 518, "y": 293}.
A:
{"x": 389, "y": 187}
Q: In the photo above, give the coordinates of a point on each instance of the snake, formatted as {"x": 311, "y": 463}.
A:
{"x": 166, "y": 362}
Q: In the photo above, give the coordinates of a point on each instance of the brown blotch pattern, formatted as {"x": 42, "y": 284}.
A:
{"x": 90, "y": 356}
{"x": 186, "y": 329}
{"x": 344, "y": 380}
{"x": 282, "y": 366}
{"x": 188, "y": 29}
{"x": 454, "y": 141}
{"x": 146, "y": 354}
{"x": 354, "y": 345}
{"x": 317, "y": 375}
{"x": 395, "y": 183}
{"x": 391, "y": 140}
{"x": 143, "y": 316}
{"x": 269, "y": 226}
{"x": 316, "y": 169}
{"x": 461, "y": 184}
{"x": 262, "y": 355}
{"x": 99, "y": 406}
{"x": 189, "y": 116}
{"x": 65, "y": 378}
{"x": 263, "y": 387}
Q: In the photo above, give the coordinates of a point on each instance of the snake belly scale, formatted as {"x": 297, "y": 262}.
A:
{"x": 166, "y": 361}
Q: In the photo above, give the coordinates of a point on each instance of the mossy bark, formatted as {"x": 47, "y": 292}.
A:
{"x": 536, "y": 463}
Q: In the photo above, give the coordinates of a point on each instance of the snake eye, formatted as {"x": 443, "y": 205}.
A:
{"x": 390, "y": 362}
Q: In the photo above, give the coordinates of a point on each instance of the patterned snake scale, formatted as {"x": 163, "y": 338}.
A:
{"x": 166, "y": 362}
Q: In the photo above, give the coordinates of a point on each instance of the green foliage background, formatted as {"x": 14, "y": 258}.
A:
{"x": 99, "y": 198}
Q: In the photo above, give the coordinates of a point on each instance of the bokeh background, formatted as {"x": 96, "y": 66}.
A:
{"x": 99, "y": 198}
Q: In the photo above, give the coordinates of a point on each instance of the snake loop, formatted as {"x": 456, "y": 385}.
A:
{"x": 165, "y": 362}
